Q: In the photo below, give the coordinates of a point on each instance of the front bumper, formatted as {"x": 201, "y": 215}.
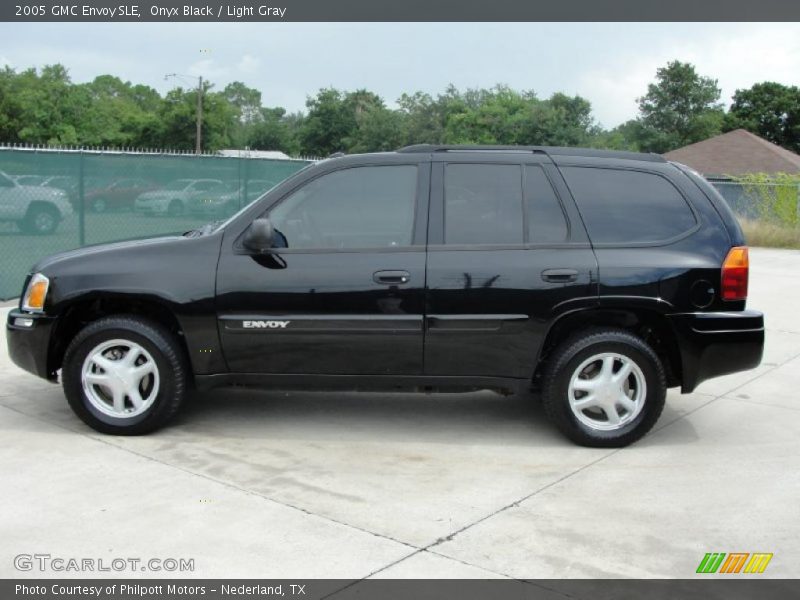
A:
{"x": 28, "y": 347}
{"x": 717, "y": 343}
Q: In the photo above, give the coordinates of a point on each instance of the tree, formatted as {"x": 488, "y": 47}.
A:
{"x": 423, "y": 119}
{"x": 333, "y": 120}
{"x": 40, "y": 107}
{"x": 246, "y": 103}
{"x": 770, "y": 110}
{"x": 327, "y": 124}
{"x": 274, "y": 131}
{"x": 680, "y": 108}
{"x": 116, "y": 113}
{"x": 379, "y": 130}
{"x": 178, "y": 117}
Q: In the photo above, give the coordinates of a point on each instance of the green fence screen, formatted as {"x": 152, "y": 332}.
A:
{"x": 58, "y": 200}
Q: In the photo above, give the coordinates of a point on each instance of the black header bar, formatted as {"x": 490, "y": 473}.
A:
{"x": 399, "y": 10}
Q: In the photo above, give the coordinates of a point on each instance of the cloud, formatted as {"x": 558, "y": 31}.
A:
{"x": 248, "y": 64}
{"x": 207, "y": 68}
{"x": 737, "y": 55}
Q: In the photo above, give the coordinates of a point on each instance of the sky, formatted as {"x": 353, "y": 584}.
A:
{"x": 610, "y": 64}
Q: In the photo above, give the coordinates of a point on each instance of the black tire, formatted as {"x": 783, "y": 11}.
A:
{"x": 41, "y": 219}
{"x": 570, "y": 355}
{"x": 162, "y": 347}
{"x": 175, "y": 208}
{"x": 99, "y": 205}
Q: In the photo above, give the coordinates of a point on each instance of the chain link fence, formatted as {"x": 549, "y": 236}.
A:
{"x": 767, "y": 208}
{"x": 55, "y": 200}
{"x": 761, "y": 200}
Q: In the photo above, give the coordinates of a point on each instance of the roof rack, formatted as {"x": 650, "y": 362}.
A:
{"x": 549, "y": 150}
{"x": 466, "y": 148}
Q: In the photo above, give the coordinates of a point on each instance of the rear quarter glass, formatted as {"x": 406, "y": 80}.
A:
{"x": 626, "y": 206}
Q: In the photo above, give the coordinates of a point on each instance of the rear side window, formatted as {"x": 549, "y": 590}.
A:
{"x": 483, "y": 204}
{"x": 546, "y": 221}
{"x": 622, "y": 207}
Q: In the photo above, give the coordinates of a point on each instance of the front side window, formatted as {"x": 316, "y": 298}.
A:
{"x": 622, "y": 206}
{"x": 483, "y": 204}
{"x": 360, "y": 207}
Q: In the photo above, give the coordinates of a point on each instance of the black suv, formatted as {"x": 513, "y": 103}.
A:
{"x": 599, "y": 278}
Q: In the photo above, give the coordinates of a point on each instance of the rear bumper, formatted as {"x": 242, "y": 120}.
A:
{"x": 28, "y": 346}
{"x": 717, "y": 343}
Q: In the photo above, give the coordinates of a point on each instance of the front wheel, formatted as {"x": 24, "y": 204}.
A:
{"x": 605, "y": 388}
{"x": 124, "y": 375}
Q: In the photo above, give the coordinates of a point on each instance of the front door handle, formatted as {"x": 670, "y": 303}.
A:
{"x": 391, "y": 277}
{"x": 560, "y": 275}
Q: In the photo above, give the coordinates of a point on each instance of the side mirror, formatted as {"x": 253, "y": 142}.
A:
{"x": 259, "y": 236}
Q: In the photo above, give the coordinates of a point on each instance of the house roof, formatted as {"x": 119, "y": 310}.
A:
{"x": 737, "y": 152}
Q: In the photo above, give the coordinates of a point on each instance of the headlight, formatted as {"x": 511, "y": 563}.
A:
{"x": 33, "y": 301}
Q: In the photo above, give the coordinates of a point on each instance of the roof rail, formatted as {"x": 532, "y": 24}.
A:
{"x": 549, "y": 150}
{"x": 466, "y": 148}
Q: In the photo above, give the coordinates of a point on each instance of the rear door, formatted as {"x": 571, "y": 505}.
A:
{"x": 342, "y": 292}
{"x": 507, "y": 251}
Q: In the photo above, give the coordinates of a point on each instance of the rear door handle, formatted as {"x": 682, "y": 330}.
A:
{"x": 391, "y": 277}
{"x": 560, "y": 275}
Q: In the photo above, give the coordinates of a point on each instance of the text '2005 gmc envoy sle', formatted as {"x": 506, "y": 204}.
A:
{"x": 599, "y": 278}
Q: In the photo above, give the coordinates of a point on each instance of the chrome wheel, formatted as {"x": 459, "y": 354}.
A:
{"x": 120, "y": 378}
{"x": 607, "y": 391}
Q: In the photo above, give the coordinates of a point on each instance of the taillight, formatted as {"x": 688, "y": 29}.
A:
{"x": 735, "y": 273}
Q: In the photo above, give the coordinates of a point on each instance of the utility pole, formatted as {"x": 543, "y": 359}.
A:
{"x": 198, "y": 142}
{"x": 198, "y": 146}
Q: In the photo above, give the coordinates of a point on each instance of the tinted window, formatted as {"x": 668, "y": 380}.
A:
{"x": 483, "y": 204}
{"x": 628, "y": 206}
{"x": 546, "y": 222}
{"x": 363, "y": 207}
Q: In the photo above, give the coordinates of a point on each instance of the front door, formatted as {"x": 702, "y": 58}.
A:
{"x": 342, "y": 292}
{"x": 507, "y": 251}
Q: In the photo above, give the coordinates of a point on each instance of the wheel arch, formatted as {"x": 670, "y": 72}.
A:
{"x": 86, "y": 309}
{"x": 648, "y": 323}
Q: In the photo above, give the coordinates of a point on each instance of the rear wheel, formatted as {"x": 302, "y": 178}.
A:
{"x": 124, "y": 375}
{"x": 99, "y": 205}
{"x": 605, "y": 388}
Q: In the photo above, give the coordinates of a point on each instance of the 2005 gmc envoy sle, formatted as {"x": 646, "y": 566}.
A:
{"x": 599, "y": 278}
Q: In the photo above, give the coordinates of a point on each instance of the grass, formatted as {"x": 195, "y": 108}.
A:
{"x": 770, "y": 235}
